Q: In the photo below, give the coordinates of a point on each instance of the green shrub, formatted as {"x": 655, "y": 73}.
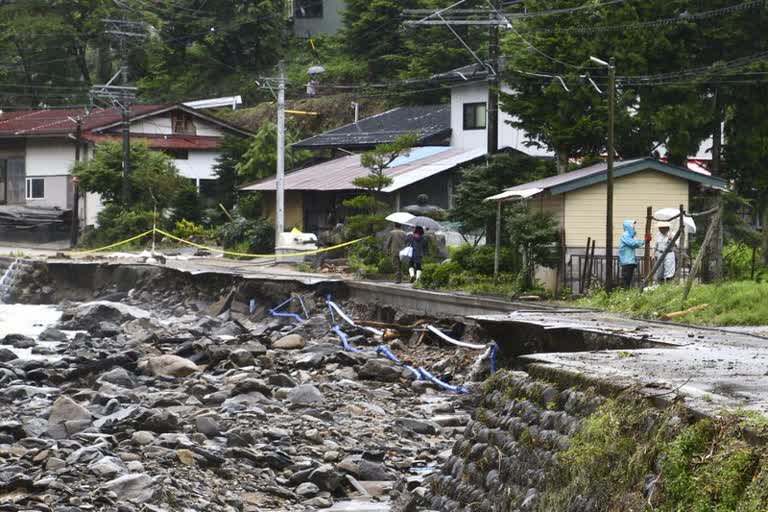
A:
{"x": 438, "y": 275}
{"x": 365, "y": 257}
{"x": 737, "y": 261}
{"x": 188, "y": 230}
{"x": 257, "y": 235}
{"x": 249, "y": 206}
{"x": 116, "y": 224}
{"x": 480, "y": 259}
{"x": 187, "y": 205}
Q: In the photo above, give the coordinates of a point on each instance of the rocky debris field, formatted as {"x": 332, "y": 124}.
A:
{"x": 158, "y": 402}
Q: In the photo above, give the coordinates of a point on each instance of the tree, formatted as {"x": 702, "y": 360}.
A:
{"x": 153, "y": 178}
{"x": 533, "y": 234}
{"x": 370, "y": 218}
{"x": 477, "y": 182}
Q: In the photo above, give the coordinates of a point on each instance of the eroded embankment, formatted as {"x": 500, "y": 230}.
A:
{"x": 537, "y": 442}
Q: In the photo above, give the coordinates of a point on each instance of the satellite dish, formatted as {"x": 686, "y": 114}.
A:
{"x": 315, "y": 70}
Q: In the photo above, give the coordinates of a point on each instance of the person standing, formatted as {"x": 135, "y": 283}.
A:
{"x": 627, "y": 257}
{"x": 418, "y": 242}
{"x": 395, "y": 242}
{"x": 660, "y": 243}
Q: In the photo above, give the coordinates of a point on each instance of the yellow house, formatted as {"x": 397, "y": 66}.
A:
{"x": 577, "y": 200}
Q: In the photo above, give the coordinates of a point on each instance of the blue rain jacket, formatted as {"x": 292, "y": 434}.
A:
{"x": 628, "y": 244}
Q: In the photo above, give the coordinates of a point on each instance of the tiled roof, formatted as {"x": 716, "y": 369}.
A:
{"x": 61, "y": 121}
{"x": 429, "y": 122}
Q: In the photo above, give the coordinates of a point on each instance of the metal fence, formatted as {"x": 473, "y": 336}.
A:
{"x": 580, "y": 278}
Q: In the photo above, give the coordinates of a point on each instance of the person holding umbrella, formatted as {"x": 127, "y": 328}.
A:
{"x": 418, "y": 242}
{"x": 395, "y": 243}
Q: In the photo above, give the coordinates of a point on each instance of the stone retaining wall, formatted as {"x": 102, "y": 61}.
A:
{"x": 509, "y": 446}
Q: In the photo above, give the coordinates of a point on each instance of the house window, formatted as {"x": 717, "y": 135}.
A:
{"x": 474, "y": 116}
{"x": 35, "y": 188}
{"x": 308, "y": 8}
{"x": 182, "y": 123}
{"x": 177, "y": 154}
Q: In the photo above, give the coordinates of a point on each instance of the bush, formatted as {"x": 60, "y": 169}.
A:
{"x": 480, "y": 259}
{"x": 737, "y": 261}
{"x": 116, "y": 224}
{"x": 187, "y": 205}
{"x": 188, "y": 230}
{"x": 249, "y": 206}
{"x": 257, "y": 235}
{"x": 366, "y": 257}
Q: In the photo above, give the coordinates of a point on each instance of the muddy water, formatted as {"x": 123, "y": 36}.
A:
{"x": 29, "y": 321}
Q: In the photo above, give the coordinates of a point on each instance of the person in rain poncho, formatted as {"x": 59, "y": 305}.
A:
{"x": 660, "y": 243}
{"x": 627, "y": 257}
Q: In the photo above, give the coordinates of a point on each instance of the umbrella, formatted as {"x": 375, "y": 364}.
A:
{"x": 667, "y": 213}
{"x": 400, "y": 217}
{"x": 424, "y": 222}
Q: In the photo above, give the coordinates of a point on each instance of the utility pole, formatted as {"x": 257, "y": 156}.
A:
{"x": 280, "y": 179}
{"x": 611, "y": 65}
{"x": 493, "y": 83}
{"x": 609, "y": 184}
{"x": 75, "y": 185}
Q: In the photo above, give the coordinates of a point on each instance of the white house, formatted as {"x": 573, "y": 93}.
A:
{"x": 39, "y": 147}
{"x": 469, "y": 114}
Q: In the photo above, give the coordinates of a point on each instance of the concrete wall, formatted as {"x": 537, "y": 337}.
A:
{"x": 585, "y": 208}
{"x": 477, "y": 92}
{"x": 329, "y": 23}
{"x": 51, "y": 160}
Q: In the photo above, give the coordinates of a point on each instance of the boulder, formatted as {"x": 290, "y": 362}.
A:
{"x": 51, "y": 334}
{"x": 161, "y": 421}
{"x": 168, "y": 365}
{"x": 108, "y": 467}
{"x": 119, "y": 377}
{"x": 18, "y": 341}
{"x": 143, "y": 438}
{"x": 289, "y": 342}
{"x": 65, "y": 409}
{"x": 418, "y": 426}
{"x": 133, "y": 486}
{"x": 7, "y": 355}
{"x": 241, "y": 358}
{"x": 379, "y": 369}
{"x": 306, "y": 394}
{"x": 87, "y": 316}
{"x": 315, "y": 327}
{"x": 207, "y": 425}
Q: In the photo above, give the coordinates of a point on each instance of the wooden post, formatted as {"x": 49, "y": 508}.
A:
{"x": 591, "y": 262}
{"x": 647, "y": 255}
{"x": 583, "y": 273}
{"x": 660, "y": 260}
{"x": 696, "y": 264}
{"x": 681, "y": 247}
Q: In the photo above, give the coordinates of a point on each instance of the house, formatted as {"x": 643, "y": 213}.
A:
{"x": 39, "y": 147}
{"x": 314, "y": 195}
{"x": 469, "y": 115}
{"x": 577, "y": 200}
{"x": 312, "y": 17}
{"x": 430, "y": 123}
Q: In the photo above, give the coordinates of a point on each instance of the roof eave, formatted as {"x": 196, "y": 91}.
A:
{"x": 624, "y": 170}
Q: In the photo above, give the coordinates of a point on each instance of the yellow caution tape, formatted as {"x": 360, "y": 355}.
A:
{"x": 248, "y": 255}
{"x": 115, "y": 244}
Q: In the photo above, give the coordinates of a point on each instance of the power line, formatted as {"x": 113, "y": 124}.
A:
{"x": 682, "y": 18}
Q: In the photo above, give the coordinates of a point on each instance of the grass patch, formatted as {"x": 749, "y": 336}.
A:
{"x": 730, "y": 303}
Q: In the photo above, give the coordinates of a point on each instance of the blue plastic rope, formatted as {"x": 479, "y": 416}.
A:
{"x": 494, "y": 347}
{"x": 444, "y": 385}
{"x": 274, "y": 311}
{"x": 344, "y": 339}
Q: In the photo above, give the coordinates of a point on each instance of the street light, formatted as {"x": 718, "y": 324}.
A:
{"x": 609, "y": 187}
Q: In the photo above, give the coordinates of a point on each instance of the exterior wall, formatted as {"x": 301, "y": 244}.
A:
{"x": 477, "y": 92}
{"x": 49, "y": 157}
{"x": 438, "y": 188}
{"x": 294, "y": 208}
{"x": 199, "y": 166}
{"x": 52, "y": 160}
{"x": 330, "y": 23}
{"x": 585, "y": 208}
{"x": 547, "y": 203}
{"x": 162, "y": 125}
